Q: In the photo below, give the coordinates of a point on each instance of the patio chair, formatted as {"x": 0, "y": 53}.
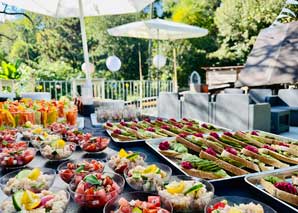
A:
{"x": 7, "y": 95}
{"x": 235, "y": 111}
{"x": 287, "y": 99}
{"x": 196, "y": 106}
{"x": 169, "y": 105}
{"x": 37, "y": 95}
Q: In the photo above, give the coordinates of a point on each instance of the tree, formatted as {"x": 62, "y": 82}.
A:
{"x": 238, "y": 23}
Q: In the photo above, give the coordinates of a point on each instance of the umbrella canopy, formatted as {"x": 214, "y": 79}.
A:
{"x": 158, "y": 29}
{"x": 273, "y": 59}
{"x": 81, "y": 8}
{"x": 71, "y": 8}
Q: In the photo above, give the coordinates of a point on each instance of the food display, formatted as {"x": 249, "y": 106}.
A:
{"x": 220, "y": 155}
{"x": 138, "y": 202}
{"x": 57, "y": 150}
{"x": 16, "y": 157}
{"x": 153, "y": 204}
{"x": 79, "y": 169}
{"x": 233, "y": 204}
{"x": 159, "y": 128}
{"x": 147, "y": 178}
{"x": 187, "y": 194}
{"x": 28, "y": 201}
{"x": 17, "y": 113}
{"x": 95, "y": 190}
{"x": 34, "y": 180}
{"x": 94, "y": 144}
{"x": 126, "y": 159}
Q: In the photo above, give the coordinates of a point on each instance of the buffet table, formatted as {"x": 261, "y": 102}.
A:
{"x": 233, "y": 187}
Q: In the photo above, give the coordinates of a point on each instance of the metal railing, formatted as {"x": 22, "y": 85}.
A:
{"x": 141, "y": 93}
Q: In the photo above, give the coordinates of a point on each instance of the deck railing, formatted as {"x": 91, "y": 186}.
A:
{"x": 131, "y": 91}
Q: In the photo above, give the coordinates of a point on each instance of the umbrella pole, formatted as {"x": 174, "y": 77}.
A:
{"x": 87, "y": 93}
{"x": 175, "y": 77}
{"x": 84, "y": 39}
{"x": 141, "y": 80}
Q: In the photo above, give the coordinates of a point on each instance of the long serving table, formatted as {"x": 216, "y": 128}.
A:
{"x": 233, "y": 187}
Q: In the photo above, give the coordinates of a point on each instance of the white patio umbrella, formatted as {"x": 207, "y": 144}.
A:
{"x": 159, "y": 29}
{"x": 80, "y": 9}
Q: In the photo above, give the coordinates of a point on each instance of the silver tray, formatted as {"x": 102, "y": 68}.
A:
{"x": 153, "y": 144}
{"x": 254, "y": 179}
{"x": 123, "y": 142}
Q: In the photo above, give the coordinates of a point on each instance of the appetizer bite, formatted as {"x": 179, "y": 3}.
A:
{"x": 224, "y": 207}
{"x": 94, "y": 144}
{"x": 187, "y": 194}
{"x": 123, "y": 160}
{"x": 58, "y": 150}
{"x": 95, "y": 190}
{"x": 38, "y": 140}
{"x": 281, "y": 188}
{"x": 78, "y": 170}
{"x": 34, "y": 180}
{"x": 147, "y": 178}
{"x": 15, "y": 157}
{"x": 28, "y": 201}
{"x": 153, "y": 204}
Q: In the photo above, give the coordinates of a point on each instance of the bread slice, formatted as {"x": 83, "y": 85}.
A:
{"x": 122, "y": 137}
{"x": 250, "y": 139}
{"x": 201, "y": 174}
{"x": 212, "y": 145}
{"x": 280, "y": 156}
{"x": 222, "y": 164}
{"x": 171, "y": 154}
{"x": 211, "y": 138}
{"x": 189, "y": 144}
{"x": 295, "y": 180}
{"x": 266, "y": 160}
{"x": 169, "y": 133}
{"x": 234, "y": 140}
{"x": 265, "y": 168}
{"x": 246, "y": 163}
{"x": 285, "y": 196}
{"x": 293, "y": 149}
{"x": 111, "y": 128}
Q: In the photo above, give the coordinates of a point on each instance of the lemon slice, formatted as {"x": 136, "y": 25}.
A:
{"x": 150, "y": 169}
{"x": 34, "y": 174}
{"x": 30, "y": 200}
{"x": 59, "y": 144}
{"x": 37, "y": 130}
{"x": 176, "y": 187}
{"x": 122, "y": 153}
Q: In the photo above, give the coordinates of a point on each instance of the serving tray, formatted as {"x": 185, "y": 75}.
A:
{"x": 153, "y": 144}
{"x": 254, "y": 181}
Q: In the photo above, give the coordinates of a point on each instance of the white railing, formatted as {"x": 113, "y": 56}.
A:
{"x": 132, "y": 91}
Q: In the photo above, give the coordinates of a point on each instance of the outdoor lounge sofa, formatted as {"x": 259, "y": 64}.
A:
{"x": 287, "y": 99}
{"x": 169, "y": 105}
{"x": 196, "y": 106}
{"x": 236, "y": 112}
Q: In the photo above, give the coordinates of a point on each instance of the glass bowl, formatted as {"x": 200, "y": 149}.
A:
{"x": 14, "y": 158}
{"x": 74, "y": 169}
{"x": 91, "y": 196}
{"x": 95, "y": 144}
{"x": 38, "y": 140}
{"x": 46, "y": 197}
{"x": 113, "y": 204}
{"x": 57, "y": 154}
{"x": 14, "y": 144}
{"x": 17, "y": 180}
{"x": 139, "y": 183}
{"x": 232, "y": 200}
{"x": 118, "y": 164}
{"x": 196, "y": 199}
